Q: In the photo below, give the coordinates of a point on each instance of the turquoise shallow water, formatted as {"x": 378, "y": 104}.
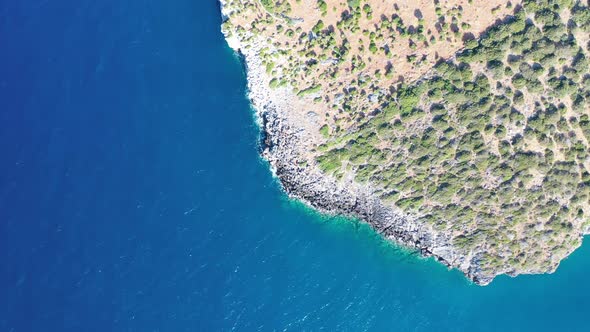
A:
{"x": 132, "y": 198}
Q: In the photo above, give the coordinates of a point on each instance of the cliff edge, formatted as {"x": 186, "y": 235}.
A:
{"x": 451, "y": 130}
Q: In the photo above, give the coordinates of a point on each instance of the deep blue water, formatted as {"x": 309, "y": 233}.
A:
{"x": 132, "y": 198}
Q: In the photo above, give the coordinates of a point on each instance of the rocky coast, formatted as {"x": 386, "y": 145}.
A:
{"x": 286, "y": 138}
{"x": 290, "y": 136}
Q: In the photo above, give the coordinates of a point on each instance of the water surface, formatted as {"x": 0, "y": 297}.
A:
{"x": 132, "y": 198}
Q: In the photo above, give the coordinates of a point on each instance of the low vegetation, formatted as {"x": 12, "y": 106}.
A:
{"x": 489, "y": 143}
{"x": 492, "y": 144}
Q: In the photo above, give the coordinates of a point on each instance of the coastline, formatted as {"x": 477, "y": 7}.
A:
{"x": 286, "y": 136}
{"x": 280, "y": 146}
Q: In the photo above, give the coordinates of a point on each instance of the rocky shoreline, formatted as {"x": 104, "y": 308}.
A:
{"x": 284, "y": 140}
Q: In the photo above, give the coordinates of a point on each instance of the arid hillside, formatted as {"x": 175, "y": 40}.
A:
{"x": 470, "y": 117}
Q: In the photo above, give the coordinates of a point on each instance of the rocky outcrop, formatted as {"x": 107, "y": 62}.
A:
{"x": 285, "y": 143}
{"x": 328, "y": 195}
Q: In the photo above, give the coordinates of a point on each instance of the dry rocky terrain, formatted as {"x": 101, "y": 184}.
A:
{"x": 460, "y": 128}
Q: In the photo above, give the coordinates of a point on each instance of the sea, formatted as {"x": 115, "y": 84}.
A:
{"x": 133, "y": 198}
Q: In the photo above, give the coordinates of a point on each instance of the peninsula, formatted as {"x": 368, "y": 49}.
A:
{"x": 460, "y": 128}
